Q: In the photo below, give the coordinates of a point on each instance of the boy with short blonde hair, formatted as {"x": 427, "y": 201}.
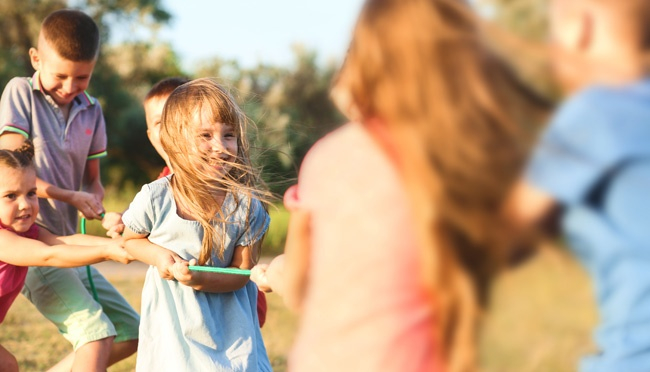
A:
{"x": 67, "y": 127}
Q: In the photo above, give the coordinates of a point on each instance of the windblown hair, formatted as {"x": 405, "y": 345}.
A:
{"x": 165, "y": 87}
{"x": 452, "y": 112}
{"x": 72, "y": 34}
{"x": 193, "y": 185}
{"x": 21, "y": 158}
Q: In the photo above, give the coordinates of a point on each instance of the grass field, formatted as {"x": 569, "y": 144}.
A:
{"x": 540, "y": 320}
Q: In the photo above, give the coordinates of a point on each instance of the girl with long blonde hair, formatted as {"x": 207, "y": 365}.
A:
{"x": 397, "y": 211}
{"x": 209, "y": 212}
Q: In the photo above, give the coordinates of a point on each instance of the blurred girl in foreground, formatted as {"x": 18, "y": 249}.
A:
{"x": 393, "y": 238}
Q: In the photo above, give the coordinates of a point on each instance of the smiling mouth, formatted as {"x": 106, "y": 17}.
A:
{"x": 24, "y": 217}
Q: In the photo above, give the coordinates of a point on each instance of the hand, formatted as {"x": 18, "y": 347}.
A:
{"x": 115, "y": 231}
{"x": 165, "y": 262}
{"x": 111, "y": 219}
{"x": 291, "y": 200}
{"x": 117, "y": 253}
{"x": 182, "y": 273}
{"x": 258, "y": 276}
{"x": 89, "y": 205}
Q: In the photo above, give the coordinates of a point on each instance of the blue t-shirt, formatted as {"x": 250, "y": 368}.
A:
{"x": 594, "y": 159}
{"x": 182, "y": 329}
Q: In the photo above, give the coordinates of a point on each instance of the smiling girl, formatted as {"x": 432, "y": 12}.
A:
{"x": 208, "y": 212}
{"x": 23, "y": 243}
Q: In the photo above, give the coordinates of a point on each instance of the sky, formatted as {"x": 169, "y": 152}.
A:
{"x": 252, "y": 31}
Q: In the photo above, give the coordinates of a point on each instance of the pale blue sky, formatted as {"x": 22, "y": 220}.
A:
{"x": 252, "y": 31}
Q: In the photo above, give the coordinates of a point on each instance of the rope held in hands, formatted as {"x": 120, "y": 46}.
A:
{"x": 220, "y": 270}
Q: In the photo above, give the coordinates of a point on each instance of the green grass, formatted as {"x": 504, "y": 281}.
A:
{"x": 540, "y": 320}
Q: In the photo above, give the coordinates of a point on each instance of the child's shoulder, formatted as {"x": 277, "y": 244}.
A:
{"x": 336, "y": 148}
{"x": 600, "y": 107}
{"x": 157, "y": 189}
{"x": 21, "y": 85}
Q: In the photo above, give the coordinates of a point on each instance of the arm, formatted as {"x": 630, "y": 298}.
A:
{"x": 20, "y": 251}
{"x": 529, "y": 214}
{"x": 92, "y": 181}
{"x": 287, "y": 273}
{"x": 85, "y": 202}
{"x": 243, "y": 258}
{"x": 145, "y": 251}
{"x": 113, "y": 224}
{"x": 297, "y": 251}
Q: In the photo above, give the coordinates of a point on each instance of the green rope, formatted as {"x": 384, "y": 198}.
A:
{"x": 90, "y": 276}
{"x": 221, "y": 270}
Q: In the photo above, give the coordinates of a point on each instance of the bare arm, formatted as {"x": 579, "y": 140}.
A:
{"x": 530, "y": 214}
{"x": 145, "y": 251}
{"x": 20, "y": 251}
{"x": 287, "y": 275}
{"x": 87, "y": 203}
{"x": 243, "y": 258}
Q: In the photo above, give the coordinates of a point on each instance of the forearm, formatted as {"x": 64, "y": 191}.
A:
{"x": 64, "y": 255}
{"x": 218, "y": 283}
{"x": 92, "y": 181}
{"x": 47, "y": 190}
{"x": 80, "y": 239}
{"x": 145, "y": 251}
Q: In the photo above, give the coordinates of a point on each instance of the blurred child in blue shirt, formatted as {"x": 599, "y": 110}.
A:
{"x": 593, "y": 163}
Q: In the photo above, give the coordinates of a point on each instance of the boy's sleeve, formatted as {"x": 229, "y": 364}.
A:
{"x": 578, "y": 149}
{"x": 15, "y": 107}
{"x": 140, "y": 215}
{"x": 258, "y": 224}
{"x": 99, "y": 143}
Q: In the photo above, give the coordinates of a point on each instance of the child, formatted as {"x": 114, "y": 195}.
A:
{"x": 68, "y": 131}
{"x": 23, "y": 243}
{"x": 402, "y": 202}
{"x": 593, "y": 162}
{"x": 154, "y": 102}
{"x": 208, "y": 212}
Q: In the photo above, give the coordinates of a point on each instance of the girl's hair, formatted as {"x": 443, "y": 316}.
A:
{"x": 450, "y": 110}
{"x": 196, "y": 188}
{"x": 20, "y": 158}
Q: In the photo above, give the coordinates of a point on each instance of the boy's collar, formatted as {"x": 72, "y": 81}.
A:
{"x": 83, "y": 98}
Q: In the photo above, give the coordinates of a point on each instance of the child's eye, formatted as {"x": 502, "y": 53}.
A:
{"x": 205, "y": 136}
{"x": 31, "y": 194}
{"x": 10, "y": 196}
{"x": 230, "y": 135}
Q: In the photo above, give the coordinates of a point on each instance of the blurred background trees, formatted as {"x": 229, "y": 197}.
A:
{"x": 289, "y": 104}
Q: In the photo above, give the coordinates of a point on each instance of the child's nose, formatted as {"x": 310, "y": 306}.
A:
{"x": 218, "y": 145}
{"x": 68, "y": 86}
{"x": 23, "y": 203}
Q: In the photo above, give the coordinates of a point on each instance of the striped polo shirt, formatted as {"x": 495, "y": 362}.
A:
{"x": 62, "y": 147}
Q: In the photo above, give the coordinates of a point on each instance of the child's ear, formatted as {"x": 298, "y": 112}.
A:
{"x": 34, "y": 58}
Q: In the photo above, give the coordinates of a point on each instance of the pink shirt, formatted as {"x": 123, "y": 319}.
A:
{"x": 12, "y": 277}
{"x": 366, "y": 307}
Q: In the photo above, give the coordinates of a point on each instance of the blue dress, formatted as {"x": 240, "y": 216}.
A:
{"x": 595, "y": 160}
{"x": 182, "y": 329}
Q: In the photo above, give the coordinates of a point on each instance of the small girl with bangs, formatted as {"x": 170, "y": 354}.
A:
{"x": 23, "y": 243}
{"x": 207, "y": 213}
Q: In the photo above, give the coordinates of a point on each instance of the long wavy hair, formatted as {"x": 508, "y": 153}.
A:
{"x": 193, "y": 184}
{"x": 451, "y": 114}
